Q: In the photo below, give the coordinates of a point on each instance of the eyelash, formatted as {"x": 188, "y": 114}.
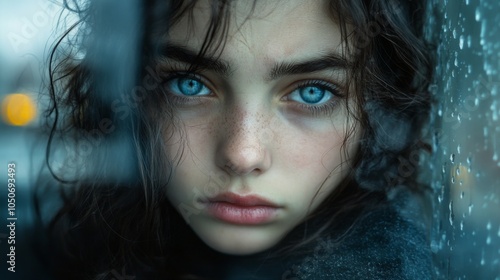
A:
{"x": 324, "y": 109}
{"x": 314, "y": 110}
{"x": 184, "y": 100}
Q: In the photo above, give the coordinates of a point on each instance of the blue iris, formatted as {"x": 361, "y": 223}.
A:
{"x": 188, "y": 86}
{"x": 312, "y": 94}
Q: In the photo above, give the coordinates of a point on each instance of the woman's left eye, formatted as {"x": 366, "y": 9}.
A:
{"x": 313, "y": 94}
{"x": 187, "y": 86}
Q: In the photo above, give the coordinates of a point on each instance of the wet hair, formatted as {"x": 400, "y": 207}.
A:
{"x": 107, "y": 223}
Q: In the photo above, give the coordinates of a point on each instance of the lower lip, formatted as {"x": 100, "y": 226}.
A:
{"x": 237, "y": 214}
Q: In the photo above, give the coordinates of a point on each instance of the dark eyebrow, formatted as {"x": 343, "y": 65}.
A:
{"x": 183, "y": 54}
{"x": 222, "y": 67}
{"x": 329, "y": 61}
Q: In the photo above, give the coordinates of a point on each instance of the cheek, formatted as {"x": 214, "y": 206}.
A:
{"x": 317, "y": 160}
{"x": 190, "y": 147}
{"x": 316, "y": 152}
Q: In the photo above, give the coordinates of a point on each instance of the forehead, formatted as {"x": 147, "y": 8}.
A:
{"x": 270, "y": 29}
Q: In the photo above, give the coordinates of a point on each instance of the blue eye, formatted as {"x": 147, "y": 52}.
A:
{"x": 187, "y": 86}
{"x": 311, "y": 94}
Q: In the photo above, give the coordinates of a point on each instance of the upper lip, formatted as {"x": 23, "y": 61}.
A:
{"x": 247, "y": 201}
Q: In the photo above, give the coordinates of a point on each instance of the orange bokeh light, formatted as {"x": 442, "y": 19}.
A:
{"x": 18, "y": 109}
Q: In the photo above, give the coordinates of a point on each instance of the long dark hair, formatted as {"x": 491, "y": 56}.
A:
{"x": 107, "y": 224}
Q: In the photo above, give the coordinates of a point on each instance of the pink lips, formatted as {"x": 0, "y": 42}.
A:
{"x": 236, "y": 209}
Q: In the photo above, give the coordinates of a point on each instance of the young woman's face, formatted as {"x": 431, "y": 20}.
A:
{"x": 262, "y": 126}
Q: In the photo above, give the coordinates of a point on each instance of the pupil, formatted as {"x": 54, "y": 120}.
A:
{"x": 312, "y": 94}
{"x": 189, "y": 86}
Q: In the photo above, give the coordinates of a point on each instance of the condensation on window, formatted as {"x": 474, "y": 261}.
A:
{"x": 465, "y": 235}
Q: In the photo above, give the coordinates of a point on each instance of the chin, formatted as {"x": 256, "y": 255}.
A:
{"x": 238, "y": 251}
{"x": 240, "y": 240}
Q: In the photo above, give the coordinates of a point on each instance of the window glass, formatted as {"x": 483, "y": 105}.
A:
{"x": 466, "y": 138}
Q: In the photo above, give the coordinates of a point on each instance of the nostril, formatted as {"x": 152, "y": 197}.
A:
{"x": 231, "y": 167}
{"x": 234, "y": 169}
{"x": 242, "y": 171}
{"x": 243, "y": 167}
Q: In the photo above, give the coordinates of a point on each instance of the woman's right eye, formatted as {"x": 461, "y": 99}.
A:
{"x": 187, "y": 85}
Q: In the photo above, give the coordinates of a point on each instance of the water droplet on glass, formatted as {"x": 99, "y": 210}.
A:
{"x": 435, "y": 246}
{"x": 461, "y": 42}
{"x": 493, "y": 108}
{"x": 462, "y": 195}
{"x": 488, "y": 226}
{"x": 458, "y": 149}
{"x": 470, "y": 208}
{"x": 450, "y": 206}
{"x": 483, "y": 32}
{"x": 478, "y": 14}
{"x": 452, "y": 179}
{"x": 452, "y": 158}
{"x": 488, "y": 240}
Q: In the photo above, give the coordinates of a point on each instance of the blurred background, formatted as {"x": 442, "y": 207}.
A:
{"x": 26, "y": 32}
{"x": 464, "y": 171}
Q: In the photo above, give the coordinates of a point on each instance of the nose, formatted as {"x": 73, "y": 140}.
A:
{"x": 243, "y": 147}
